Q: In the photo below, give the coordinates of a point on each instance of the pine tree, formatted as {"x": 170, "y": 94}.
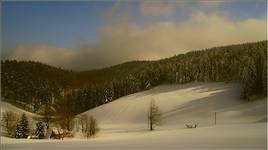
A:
{"x": 22, "y": 130}
{"x": 40, "y": 130}
{"x": 264, "y": 78}
{"x": 249, "y": 77}
{"x": 17, "y": 131}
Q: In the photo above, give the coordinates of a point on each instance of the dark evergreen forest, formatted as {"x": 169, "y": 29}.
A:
{"x": 33, "y": 85}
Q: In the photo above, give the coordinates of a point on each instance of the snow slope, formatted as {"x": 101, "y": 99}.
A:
{"x": 123, "y": 122}
{"x": 181, "y": 104}
{"x": 9, "y": 107}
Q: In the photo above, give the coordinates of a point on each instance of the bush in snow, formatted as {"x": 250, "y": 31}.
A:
{"x": 22, "y": 129}
{"x": 40, "y": 130}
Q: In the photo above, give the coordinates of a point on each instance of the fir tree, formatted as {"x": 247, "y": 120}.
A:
{"x": 22, "y": 130}
{"x": 40, "y": 130}
{"x": 249, "y": 77}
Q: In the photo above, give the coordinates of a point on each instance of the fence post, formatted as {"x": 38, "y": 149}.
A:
{"x": 215, "y": 121}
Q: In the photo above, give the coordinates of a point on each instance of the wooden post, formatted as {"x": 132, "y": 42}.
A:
{"x": 177, "y": 77}
{"x": 215, "y": 118}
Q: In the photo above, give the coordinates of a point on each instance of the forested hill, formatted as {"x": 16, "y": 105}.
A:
{"x": 32, "y": 85}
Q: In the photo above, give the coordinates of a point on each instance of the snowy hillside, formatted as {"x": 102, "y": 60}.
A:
{"x": 123, "y": 122}
{"x": 181, "y": 104}
{"x": 9, "y": 107}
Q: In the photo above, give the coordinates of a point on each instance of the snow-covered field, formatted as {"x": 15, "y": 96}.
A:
{"x": 123, "y": 122}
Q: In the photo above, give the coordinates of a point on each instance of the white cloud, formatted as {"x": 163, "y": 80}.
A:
{"x": 157, "y": 8}
{"x": 44, "y": 53}
{"x": 124, "y": 40}
{"x": 163, "y": 39}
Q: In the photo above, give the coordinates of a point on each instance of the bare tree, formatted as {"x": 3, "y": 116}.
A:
{"x": 9, "y": 122}
{"x": 89, "y": 125}
{"x": 93, "y": 126}
{"x": 83, "y": 120}
{"x": 64, "y": 113}
{"x": 47, "y": 111}
{"x": 153, "y": 115}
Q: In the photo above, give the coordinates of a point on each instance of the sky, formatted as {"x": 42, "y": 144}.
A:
{"x": 95, "y": 34}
